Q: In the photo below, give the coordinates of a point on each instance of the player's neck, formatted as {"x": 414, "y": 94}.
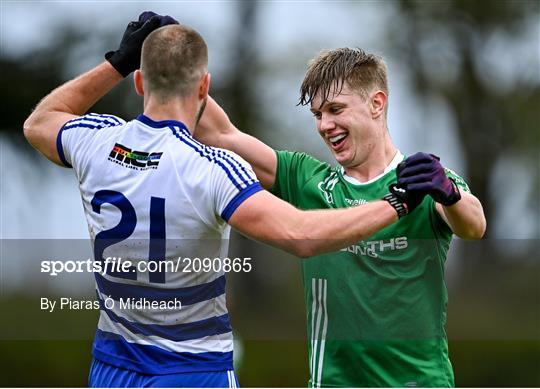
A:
{"x": 184, "y": 111}
{"x": 375, "y": 164}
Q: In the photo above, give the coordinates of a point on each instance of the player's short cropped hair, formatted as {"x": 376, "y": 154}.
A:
{"x": 173, "y": 60}
{"x": 331, "y": 69}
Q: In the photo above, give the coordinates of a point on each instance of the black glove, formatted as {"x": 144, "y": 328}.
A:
{"x": 399, "y": 196}
{"x": 128, "y": 56}
{"x": 165, "y": 20}
{"x": 423, "y": 172}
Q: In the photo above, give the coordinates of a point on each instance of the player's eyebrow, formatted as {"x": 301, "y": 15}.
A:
{"x": 328, "y": 105}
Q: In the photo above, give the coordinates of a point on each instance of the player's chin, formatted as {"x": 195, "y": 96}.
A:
{"x": 343, "y": 159}
{"x": 343, "y": 156}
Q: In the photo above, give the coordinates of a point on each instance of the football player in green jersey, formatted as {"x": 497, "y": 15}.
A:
{"x": 376, "y": 310}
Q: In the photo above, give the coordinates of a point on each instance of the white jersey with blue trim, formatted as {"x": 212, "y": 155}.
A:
{"x": 153, "y": 194}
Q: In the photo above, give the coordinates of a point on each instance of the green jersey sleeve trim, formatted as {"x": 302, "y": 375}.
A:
{"x": 460, "y": 182}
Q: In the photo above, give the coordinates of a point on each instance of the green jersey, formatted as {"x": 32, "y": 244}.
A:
{"x": 376, "y": 310}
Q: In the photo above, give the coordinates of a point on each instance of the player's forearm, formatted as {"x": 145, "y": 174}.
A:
{"x": 66, "y": 102}
{"x": 329, "y": 230}
{"x": 215, "y": 129}
{"x": 306, "y": 233}
{"x": 75, "y": 97}
{"x": 466, "y": 217}
{"x": 214, "y": 124}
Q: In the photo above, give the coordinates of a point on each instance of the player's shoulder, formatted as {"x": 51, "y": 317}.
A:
{"x": 213, "y": 161}
{"x": 211, "y": 154}
{"x": 229, "y": 155}
{"x": 459, "y": 180}
{"x": 300, "y": 159}
{"x": 94, "y": 121}
{"x": 77, "y": 137}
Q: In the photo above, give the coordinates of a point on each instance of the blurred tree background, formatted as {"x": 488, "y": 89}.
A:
{"x": 475, "y": 63}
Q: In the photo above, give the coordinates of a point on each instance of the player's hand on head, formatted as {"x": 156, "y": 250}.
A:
{"x": 128, "y": 56}
{"x": 422, "y": 172}
{"x": 164, "y": 20}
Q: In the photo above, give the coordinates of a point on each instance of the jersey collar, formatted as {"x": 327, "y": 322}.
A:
{"x": 391, "y": 166}
{"x": 162, "y": 123}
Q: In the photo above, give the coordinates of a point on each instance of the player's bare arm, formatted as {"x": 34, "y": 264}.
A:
{"x": 461, "y": 210}
{"x": 266, "y": 218}
{"x": 215, "y": 129}
{"x": 75, "y": 97}
{"x": 466, "y": 217}
{"x": 306, "y": 233}
{"x": 68, "y": 101}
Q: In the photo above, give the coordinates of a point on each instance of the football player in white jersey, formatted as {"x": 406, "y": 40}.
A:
{"x": 150, "y": 191}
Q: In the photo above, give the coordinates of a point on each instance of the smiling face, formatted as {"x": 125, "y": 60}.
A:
{"x": 347, "y": 90}
{"x": 349, "y": 124}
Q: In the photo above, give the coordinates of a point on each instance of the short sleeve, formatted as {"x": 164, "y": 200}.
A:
{"x": 233, "y": 182}
{"x": 74, "y": 136}
{"x": 460, "y": 182}
{"x": 293, "y": 171}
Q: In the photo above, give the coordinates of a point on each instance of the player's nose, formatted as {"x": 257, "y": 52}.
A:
{"x": 327, "y": 123}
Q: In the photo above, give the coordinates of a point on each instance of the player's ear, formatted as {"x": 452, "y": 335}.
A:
{"x": 378, "y": 104}
{"x": 138, "y": 82}
{"x": 204, "y": 86}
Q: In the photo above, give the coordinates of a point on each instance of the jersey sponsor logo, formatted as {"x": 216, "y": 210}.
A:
{"x": 137, "y": 160}
{"x": 372, "y": 248}
{"x": 354, "y": 202}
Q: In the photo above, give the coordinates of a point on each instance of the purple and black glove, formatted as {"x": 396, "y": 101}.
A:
{"x": 402, "y": 195}
{"x": 399, "y": 197}
{"x": 128, "y": 56}
{"x": 422, "y": 173}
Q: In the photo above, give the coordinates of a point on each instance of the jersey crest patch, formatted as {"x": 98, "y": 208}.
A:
{"x": 327, "y": 186}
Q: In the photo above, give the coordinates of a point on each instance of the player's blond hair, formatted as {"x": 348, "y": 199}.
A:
{"x": 173, "y": 60}
{"x": 330, "y": 70}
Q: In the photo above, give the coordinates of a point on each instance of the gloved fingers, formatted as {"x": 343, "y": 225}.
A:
{"x": 416, "y": 179}
{"x": 134, "y": 24}
{"x": 167, "y": 20}
{"x": 164, "y": 20}
{"x": 143, "y": 17}
{"x": 422, "y": 186}
{"x": 417, "y": 169}
{"x": 418, "y": 158}
{"x": 150, "y": 25}
{"x": 131, "y": 28}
